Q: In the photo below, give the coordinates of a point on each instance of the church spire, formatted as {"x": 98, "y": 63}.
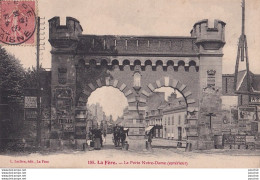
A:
{"x": 243, "y": 17}
{"x": 242, "y": 53}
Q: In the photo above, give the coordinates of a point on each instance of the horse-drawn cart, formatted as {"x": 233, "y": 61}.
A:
{"x": 119, "y": 136}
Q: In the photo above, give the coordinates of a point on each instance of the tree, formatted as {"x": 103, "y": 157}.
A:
{"x": 12, "y": 76}
{"x": 14, "y": 79}
{"x": 30, "y": 78}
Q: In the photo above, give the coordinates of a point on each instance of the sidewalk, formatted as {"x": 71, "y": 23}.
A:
{"x": 169, "y": 143}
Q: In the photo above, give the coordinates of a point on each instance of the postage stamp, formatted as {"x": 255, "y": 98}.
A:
{"x": 18, "y": 22}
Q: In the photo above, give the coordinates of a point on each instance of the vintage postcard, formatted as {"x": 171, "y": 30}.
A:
{"x": 129, "y": 84}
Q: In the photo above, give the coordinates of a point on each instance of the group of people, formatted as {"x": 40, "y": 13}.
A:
{"x": 96, "y": 134}
{"x": 119, "y": 135}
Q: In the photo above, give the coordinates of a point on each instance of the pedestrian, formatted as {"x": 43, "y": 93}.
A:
{"x": 150, "y": 136}
{"x": 99, "y": 135}
{"x": 104, "y": 137}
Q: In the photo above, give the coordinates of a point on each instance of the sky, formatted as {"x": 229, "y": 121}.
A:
{"x": 112, "y": 105}
{"x": 115, "y": 103}
{"x": 150, "y": 17}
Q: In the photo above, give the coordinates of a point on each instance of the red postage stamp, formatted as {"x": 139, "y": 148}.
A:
{"x": 18, "y": 22}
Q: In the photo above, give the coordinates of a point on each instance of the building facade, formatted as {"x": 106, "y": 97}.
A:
{"x": 154, "y": 113}
{"x": 175, "y": 119}
{"x": 168, "y": 118}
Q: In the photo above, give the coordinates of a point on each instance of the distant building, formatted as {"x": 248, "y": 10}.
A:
{"x": 122, "y": 120}
{"x": 174, "y": 118}
{"x": 91, "y": 123}
{"x": 104, "y": 125}
{"x": 245, "y": 103}
{"x": 97, "y": 111}
{"x": 154, "y": 114}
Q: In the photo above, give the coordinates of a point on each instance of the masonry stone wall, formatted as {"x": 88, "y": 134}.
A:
{"x": 83, "y": 63}
{"x": 228, "y": 85}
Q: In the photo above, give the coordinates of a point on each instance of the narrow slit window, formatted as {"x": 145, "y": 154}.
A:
{"x": 226, "y": 85}
{"x": 104, "y": 44}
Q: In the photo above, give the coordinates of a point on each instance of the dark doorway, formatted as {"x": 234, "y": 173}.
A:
{"x": 179, "y": 133}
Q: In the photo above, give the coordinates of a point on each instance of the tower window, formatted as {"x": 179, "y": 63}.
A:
{"x": 93, "y": 43}
{"x": 137, "y": 79}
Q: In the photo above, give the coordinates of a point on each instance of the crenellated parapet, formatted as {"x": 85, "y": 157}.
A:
{"x": 137, "y": 45}
{"x": 210, "y": 38}
{"x": 64, "y": 36}
{"x": 69, "y": 38}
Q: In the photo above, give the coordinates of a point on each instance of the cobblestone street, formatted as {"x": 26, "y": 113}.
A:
{"x": 160, "y": 155}
{"x": 163, "y": 147}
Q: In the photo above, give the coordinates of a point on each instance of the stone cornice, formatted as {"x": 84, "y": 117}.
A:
{"x": 71, "y": 52}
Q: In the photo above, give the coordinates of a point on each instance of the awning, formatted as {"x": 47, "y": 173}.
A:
{"x": 149, "y": 128}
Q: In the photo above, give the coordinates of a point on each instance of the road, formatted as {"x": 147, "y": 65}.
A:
{"x": 108, "y": 144}
{"x": 116, "y": 157}
{"x": 162, "y": 148}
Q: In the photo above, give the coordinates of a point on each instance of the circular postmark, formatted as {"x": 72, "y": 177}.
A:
{"x": 18, "y": 22}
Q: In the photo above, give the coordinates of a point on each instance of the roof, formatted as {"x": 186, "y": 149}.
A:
{"x": 176, "y": 104}
{"x": 240, "y": 78}
{"x": 256, "y": 83}
{"x": 156, "y": 100}
{"x": 242, "y": 81}
{"x": 162, "y": 105}
{"x": 119, "y": 120}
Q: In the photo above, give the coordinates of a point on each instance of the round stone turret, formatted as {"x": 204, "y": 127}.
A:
{"x": 64, "y": 36}
{"x": 210, "y": 38}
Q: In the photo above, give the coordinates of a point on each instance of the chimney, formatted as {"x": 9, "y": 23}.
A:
{"x": 172, "y": 97}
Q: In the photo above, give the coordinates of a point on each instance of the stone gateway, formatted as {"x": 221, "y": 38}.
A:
{"x": 136, "y": 65}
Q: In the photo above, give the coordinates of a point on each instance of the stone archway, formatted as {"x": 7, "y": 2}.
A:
{"x": 91, "y": 87}
{"x": 175, "y": 84}
{"x": 191, "y": 102}
{"x": 86, "y": 93}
